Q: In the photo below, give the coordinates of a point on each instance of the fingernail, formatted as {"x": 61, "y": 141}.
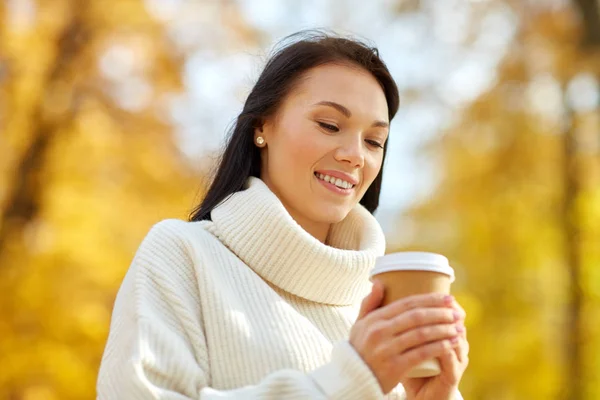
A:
{"x": 448, "y": 300}
{"x": 460, "y": 328}
{"x": 454, "y": 340}
{"x": 456, "y": 315}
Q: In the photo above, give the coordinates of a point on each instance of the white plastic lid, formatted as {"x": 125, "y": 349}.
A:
{"x": 413, "y": 261}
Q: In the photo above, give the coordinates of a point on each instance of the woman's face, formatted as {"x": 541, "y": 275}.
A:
{"x": 324, "y": 146}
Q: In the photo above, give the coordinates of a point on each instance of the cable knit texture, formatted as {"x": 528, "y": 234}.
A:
{"x": 246, "y": 306}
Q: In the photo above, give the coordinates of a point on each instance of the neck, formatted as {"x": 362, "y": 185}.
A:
{"x": 255, "y": 225}
{"x": 318, "y": 230}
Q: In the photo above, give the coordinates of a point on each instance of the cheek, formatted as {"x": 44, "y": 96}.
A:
{"x": 372, "y": 168}
{"x": 299, "y": 151}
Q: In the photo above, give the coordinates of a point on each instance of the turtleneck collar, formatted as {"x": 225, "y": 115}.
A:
{"x": 255, "y": 225}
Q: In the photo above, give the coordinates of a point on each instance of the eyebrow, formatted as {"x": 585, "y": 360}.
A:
{"x": 348, "y": 114}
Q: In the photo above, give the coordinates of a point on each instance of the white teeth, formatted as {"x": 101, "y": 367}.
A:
{"x": 336, "y": 181}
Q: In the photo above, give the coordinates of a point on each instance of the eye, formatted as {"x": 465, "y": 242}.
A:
{"x": 374, "y": 143}
{"x": 329, "y": 127}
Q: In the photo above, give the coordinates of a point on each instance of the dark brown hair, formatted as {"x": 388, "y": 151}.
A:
{"x": 294, "y": 56}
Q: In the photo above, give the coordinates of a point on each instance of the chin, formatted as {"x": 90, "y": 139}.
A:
{"x": 331, "y": 215}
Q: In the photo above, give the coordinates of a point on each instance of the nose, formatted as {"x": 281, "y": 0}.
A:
{"x": 351, "y": 151}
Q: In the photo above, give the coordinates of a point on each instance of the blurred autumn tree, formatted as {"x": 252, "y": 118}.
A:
{"x": 87, "y": 164}
{"x": 517, "y": 210}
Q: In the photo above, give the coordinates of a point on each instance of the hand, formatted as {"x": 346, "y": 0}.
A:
{"x": 397, "y": 337}
{"x": 453, "y": 363}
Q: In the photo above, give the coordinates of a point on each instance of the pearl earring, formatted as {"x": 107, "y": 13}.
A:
{"x": 260, "y": 141}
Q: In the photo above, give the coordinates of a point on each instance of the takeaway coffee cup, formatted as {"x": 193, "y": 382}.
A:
{"x": 408, "y": 273}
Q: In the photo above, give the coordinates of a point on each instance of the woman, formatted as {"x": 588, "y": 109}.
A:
{"x": 257, "y": 296}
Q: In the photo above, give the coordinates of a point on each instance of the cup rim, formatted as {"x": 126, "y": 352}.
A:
{"x": 413, "y": 261}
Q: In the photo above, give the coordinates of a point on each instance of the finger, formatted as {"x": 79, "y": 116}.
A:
{"x": 411, "y": 302}
{"x": 423, "y": 335}
{"x": 373, "y": 299}
{"x": 458, "y": 351}
{"x": 460, "y": 309}
{"x": 462, "y": 351}
{"x": 450, "y": 365}
{"x": 413, "y": 357}
{"x": 421, "y": 317}
{"x": 463, "y": 329}
{"x": 462, "y": 335}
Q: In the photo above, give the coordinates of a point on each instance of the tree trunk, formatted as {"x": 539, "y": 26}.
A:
{"x": 590, "y": 16}
{"x": 25, "y": 192}
{"x": 572, "y": 238}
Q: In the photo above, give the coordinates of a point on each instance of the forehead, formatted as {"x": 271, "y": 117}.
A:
{"x": 350, "y": 86}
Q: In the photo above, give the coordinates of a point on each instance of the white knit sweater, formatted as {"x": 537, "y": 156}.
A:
{"x": 246, "y": 306}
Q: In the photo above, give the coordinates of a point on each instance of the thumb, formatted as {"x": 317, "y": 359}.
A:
{"x": 373, "y": 299}
{"x": 449, "y": 365}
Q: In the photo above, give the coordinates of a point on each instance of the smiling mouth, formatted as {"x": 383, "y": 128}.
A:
{"x": 339, "y": 183}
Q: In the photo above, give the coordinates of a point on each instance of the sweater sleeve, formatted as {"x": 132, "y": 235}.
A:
{"x": 156, "y": 347}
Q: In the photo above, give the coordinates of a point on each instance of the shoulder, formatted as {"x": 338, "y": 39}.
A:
{"x": 178, "y": 228}
{"x": 174, "y": 241}
{"x": 170, "y": 231}
{"x": 163, "y": 274}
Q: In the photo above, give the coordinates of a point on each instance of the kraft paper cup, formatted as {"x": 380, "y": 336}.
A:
{"x": 408, "y": 273}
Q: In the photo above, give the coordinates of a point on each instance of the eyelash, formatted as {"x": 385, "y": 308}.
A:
{"x": 330, "y": 128}
{"x": 374, "y": 143}
{"x": 333, "y": 128}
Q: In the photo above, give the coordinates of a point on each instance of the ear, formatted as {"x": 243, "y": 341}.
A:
{"x": 263, "y": 128}
{"x": 258, "y": 131}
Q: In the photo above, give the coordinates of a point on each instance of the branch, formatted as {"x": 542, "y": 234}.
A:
{"x": 23, "y": 203}
{"x": 590, "y": 15}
